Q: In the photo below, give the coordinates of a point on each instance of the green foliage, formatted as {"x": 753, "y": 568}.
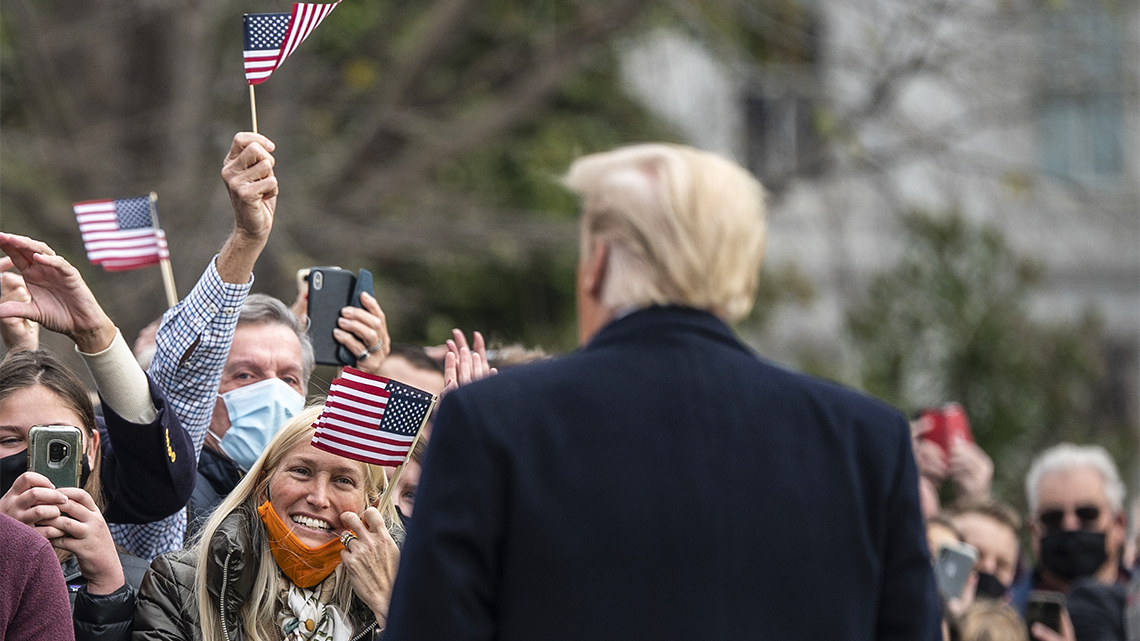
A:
{"x": 951, "y": 322}
{"x": 529, "y": 300}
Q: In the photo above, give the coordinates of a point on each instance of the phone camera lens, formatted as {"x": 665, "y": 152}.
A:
{"x": 57, "y": 451}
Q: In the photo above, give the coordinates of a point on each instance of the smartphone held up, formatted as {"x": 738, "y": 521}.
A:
{"x": 330, "y": 290}
{"x": 56, "y": 451}
{"x": 945, "y": 425}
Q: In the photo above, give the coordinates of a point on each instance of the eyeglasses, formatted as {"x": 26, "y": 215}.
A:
{"x": 1087, "y": 514}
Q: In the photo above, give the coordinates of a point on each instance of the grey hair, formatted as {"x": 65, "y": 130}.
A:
{"x": 260, "y": 308}
{"x": 1065, "y": 456}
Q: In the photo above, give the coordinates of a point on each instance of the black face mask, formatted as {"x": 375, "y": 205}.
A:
{"x": 11, "y": 467}
{"x": 404, "y": 520}
{"x": 990, "y": 587}
{"x": 1073, "y": 554}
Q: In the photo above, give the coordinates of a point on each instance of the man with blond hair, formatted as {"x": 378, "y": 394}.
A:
{"x": 663, "y": 482}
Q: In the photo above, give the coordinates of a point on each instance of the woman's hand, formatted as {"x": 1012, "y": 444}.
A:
{"x": 371, "y": 560}
{"x": 59, "y": 299}
{"x": 83, "y": 532}
{"x": 464, "y": 364}
{"x": 364, "y": 332}
{"x": 32, "y": 499}
{"x": 18, "y": 334}
{"x": 971, "y": 469}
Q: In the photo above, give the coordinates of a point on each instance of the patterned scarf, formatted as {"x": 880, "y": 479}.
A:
{"x": 305, "y": 617}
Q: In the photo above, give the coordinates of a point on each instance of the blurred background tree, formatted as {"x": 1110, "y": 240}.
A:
{"x": 951, "y": 321}
{"x": 420, "y": 140}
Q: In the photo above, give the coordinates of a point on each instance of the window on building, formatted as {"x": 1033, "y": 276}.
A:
{"x": 1081, "y": 112}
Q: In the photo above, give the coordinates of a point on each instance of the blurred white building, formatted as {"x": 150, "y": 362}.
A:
{"x": 1018, "y": 113}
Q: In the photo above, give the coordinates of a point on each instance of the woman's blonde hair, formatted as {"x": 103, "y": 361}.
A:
{"x": 259, "y": 613}
{"x": 990, "y": 620}
{"x": 683, "y": 226}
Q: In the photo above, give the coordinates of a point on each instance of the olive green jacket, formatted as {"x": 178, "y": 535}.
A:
{"x": 167, "y": 603}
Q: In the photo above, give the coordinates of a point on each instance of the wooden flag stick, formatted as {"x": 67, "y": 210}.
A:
{"x": 253, "y": 107}
{"x": 380, "y": 504}
{"x": 164, "y": 262}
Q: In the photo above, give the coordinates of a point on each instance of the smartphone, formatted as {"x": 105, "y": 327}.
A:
{"x": 952, "y": 568}
{"x": 946, "y": 425}
{"x": 56, "y": 451}
{"x": 330, "y": 289}
{"x": 1044, "y": 607}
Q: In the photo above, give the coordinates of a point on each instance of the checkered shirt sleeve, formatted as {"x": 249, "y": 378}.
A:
{"x": 193, "y": 343}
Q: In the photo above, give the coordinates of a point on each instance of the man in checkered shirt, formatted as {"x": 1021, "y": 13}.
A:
{"x": 205, "y": 349}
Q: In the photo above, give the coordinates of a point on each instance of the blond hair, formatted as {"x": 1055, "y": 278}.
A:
{"x": 683, "y": 226}
{"x": 259, "y": 613}
{"x": 990, "y": 620}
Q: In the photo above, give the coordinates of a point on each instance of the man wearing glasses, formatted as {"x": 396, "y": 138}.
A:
{"x": 1076, "y": 520}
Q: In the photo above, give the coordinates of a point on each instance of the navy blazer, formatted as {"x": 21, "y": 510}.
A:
{"x": 665, "y": 483}
{"x": 148, "y": 470}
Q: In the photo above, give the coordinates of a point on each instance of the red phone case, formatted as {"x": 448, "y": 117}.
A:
{"x": 947, "y": 424}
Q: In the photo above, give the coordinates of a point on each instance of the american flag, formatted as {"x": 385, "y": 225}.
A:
{"x": 120, "y": 234}
{"x": 271, "y": 37}
{"x": 371, "y": 418}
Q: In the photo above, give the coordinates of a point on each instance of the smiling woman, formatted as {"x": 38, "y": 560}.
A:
{"x": 270, "y": 562}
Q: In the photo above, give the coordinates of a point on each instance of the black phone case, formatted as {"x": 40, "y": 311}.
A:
{"x": 363, "y": 284}
{"x": 330, "y": 289}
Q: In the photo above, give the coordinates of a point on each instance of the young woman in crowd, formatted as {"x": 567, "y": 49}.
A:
{"x": 298, "y": 550}
{"x": 138, "y": 470}
{"x": 37, "y": 389}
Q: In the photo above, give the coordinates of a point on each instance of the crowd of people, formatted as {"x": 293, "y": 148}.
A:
{"x": 1078, "y": 533}
{"x": 625, "y": 491}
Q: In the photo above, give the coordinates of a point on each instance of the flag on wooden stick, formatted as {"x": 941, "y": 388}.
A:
{"x": 121, "y": 234}
{"x": 371, "y": 419}
{"x": 272, "y": 37}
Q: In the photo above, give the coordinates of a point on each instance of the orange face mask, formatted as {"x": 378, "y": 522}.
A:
{"x": 305, "y": 566}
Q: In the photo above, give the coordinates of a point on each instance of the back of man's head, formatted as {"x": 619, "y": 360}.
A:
{"x": 260, "y": 309}
{"x": 1065, "y": 456}
{"x": 682, "y": 226}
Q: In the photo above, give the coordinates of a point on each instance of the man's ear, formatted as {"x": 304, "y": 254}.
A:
{"x": 596, "y": 269}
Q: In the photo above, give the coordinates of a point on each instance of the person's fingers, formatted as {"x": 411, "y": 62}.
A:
{"x": 1042, "y": 632}
{"x": 459, "y": 338}
{"x": 350, "y": 342}
{"x": 37, "y": 514}
{"x": 464, "y": 365}
{"x": 66, "y": 525}
{"x": 479, "y": 345}
{"x": 23, "y": 245}
{"x": 5, "y": 263}
{"x": 29, "y": 480}
{"x": 50, "y": 533}
{"x": 78, "y": 496}
{"x": 373, "y": 519}
{"x": 450, "y": 373}
{"x": 19, "y": 309}
{"x": 243, "y": 140}
{"x": 478, "y": 366}
{"x": 351, "y": 521}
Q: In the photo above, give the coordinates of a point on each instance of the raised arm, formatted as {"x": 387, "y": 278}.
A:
{"x": 148, "y": 468}
{"x": 194, "y": 338}
{"x": 248, "y": 173}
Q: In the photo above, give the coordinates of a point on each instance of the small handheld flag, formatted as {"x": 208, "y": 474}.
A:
{"x": 272, "y": 37}
{"x": 371, "y": 419}
{"x": 121, "y": 234}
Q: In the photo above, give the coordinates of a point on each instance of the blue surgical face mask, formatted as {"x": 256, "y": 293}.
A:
{"x": 256, "y": 412}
